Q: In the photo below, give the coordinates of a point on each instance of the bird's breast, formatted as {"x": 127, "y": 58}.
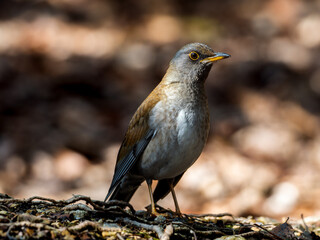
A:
{"x": 182, "y": 129}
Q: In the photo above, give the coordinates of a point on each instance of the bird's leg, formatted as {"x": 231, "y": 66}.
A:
{"x": 175, "y": 200}
{"x": 153, "y": 206}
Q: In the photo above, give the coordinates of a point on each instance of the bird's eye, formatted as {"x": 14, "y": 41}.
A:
{"x": 194, "y": 56}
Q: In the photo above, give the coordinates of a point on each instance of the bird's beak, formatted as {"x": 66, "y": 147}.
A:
{"x": 217, "y": 56}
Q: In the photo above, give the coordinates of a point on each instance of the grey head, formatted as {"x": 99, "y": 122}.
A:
{"x": 192, "y": 63}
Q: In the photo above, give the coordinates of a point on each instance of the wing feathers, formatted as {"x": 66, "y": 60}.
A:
{"x": 127, "y": 163}
{"x": 136, "y": 139}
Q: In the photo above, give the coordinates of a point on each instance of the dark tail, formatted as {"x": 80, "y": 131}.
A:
{"x": 163, "y": 187}
{"x": 127, "y": 187}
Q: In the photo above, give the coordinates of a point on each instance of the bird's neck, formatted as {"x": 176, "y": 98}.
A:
{"x": 184, "y": 92}
{"x": 182, "y": 82}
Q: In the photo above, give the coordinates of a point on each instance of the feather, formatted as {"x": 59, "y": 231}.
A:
{"x": 136, "y": 140}
{"x": 127, "y": 163}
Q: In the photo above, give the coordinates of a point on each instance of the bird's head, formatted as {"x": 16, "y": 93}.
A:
{"x": 192, "y": 63}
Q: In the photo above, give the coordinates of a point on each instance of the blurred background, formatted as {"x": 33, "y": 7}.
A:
{"x": 72, "y": 73}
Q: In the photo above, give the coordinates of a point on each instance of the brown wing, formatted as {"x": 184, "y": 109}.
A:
{"x": 135, "y": 141}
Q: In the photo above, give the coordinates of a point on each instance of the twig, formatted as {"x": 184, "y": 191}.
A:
{"x": 4, "y": 195}
{"x": 120, "y": 210}
{"x": 194, "y": 234}
{"x": 88, "y": 224}
{"x": 77, "y": 198}
{"x": 212, "y": 215}
{"x": 168, "y": 231}
{"x": 119, "y": 203}
{"x": 119, "y": 236}
{"x": 41, "y": 198}
{"x": 256, "y": 235}
{"x": 84, "y": 225}
{"x": 271, "y": 233}
{"x": 155, "y": 228}
{"x": 304, "y": 223}
{"x": 5, "y": 208}
{"x": 78, "y": 206}
{"x": 27, "y": 224}
{"x": 199, "y": 232}
{"x": 8, "y": 232}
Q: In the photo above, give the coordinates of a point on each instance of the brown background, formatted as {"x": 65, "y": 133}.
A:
{"x": 72, "y": 74}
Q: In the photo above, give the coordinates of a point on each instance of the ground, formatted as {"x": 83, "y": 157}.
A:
{"x": 83, "y": 218}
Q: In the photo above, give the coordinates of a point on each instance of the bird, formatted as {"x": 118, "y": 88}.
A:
{"x": 168, "y": 131}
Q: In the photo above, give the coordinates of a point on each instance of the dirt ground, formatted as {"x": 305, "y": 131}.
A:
{"x": 82, "y": 218}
